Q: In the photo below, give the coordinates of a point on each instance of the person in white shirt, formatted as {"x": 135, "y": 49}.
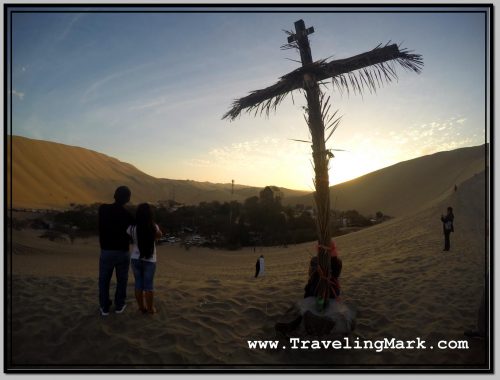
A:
{"x": 143, "y": 256}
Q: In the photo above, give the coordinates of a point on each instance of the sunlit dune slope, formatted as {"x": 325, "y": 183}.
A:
{"x": 52, "y": 175}
{"x": 407, "y": 186}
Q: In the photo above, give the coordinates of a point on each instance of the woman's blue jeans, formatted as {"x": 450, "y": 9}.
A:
{"x": 144, "y": 272}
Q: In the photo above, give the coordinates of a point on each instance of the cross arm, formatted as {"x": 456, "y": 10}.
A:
{"x": 371, "y": 67}
{"x": 267, "y": 98}
{"x": 370, "y": 58}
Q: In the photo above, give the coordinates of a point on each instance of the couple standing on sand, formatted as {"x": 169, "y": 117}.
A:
{"x": 117, "y": 228}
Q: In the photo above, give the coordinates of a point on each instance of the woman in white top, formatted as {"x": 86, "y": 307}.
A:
{"x": 143, "y": 257}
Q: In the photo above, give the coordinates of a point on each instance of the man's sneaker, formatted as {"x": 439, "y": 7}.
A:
{"x": 103, "y": 313}
{"x": 121, "y": 310}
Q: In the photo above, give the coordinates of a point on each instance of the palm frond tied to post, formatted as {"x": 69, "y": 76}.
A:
{"x": 366, "y": 71}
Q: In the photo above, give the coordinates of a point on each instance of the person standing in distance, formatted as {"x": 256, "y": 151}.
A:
{"x": 447, "y": 227}
{"x": 115, "y": 256}
{"x": 259, "y": 267}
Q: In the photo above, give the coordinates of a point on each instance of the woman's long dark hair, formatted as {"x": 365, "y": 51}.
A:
{"x": 145, "y": 231}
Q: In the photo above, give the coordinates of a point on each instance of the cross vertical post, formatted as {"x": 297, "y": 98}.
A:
{"x": 300, "y": 36}
{"x": 319, "y": 153}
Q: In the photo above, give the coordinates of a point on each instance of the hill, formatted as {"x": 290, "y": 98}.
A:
{"x": 52, "y": 175}
{"x": 408, "y": 186}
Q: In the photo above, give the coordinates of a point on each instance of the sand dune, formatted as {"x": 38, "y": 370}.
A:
{"x": 408, "y": 186}
{"x": 52, "y": 175}
{"x": 395, "y": 274}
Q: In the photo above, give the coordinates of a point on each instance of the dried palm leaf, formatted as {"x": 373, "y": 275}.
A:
{"x": 367, "y": 70}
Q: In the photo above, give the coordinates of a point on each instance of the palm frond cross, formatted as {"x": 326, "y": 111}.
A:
{"x": 364, "y": 71}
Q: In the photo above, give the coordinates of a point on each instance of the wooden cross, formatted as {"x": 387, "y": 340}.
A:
{"x": 364, "y": 71}
{"x": 300, "y": 36}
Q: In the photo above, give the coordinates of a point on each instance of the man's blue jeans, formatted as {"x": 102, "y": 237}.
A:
{"x": 108, "y": 262}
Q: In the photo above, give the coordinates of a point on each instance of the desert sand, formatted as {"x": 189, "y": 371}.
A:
{"x": 395, "y": 275}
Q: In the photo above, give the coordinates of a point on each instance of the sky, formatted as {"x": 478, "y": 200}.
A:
{"x": 151, "y": 88}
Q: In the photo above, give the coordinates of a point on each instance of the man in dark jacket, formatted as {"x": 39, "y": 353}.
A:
{"x": 115, "y": 255}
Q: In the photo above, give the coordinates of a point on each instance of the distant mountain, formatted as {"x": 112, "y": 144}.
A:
{"x": 52, "y": 175}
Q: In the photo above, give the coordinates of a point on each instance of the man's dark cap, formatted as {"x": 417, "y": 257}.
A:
{"x": 122, "y": 195}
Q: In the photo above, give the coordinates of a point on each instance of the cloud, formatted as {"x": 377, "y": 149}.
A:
{"x": 69, "y": 27}
{"x": 432, "y": 137}
{"x": 150, "y": 104}
{"x": 261, "y": 161}
{"x": 402, "y": 143}
{"x": 250, "y": 154}
{"x": 20, "y": 95}
{"x": 99, "y": 84}
{"x": 199, "y": 163}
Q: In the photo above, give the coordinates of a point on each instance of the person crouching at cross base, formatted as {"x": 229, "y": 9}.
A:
{"x": 144, "y": 234}
{"x": 312, "y": 287}
{"x": 447, "y": 227}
